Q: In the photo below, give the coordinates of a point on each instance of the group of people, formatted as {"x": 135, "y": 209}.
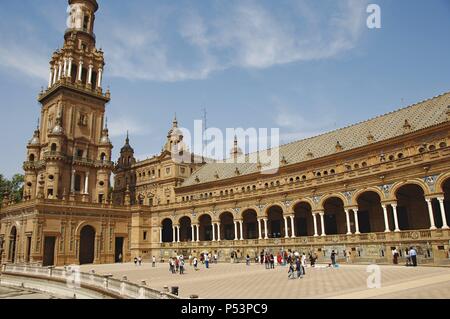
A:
{"x": 410, "y": 256}
{"x": 297, "y": 265}
{"x": 176, "y": 265}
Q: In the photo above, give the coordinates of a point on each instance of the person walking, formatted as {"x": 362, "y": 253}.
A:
{"x": 120, "y": 258}
{"x": 190, "y": 260}
{"x": 135, "y": 261}
{"x": 303, "y": 262}
{"x": 140, "y": 260}
{"x": 195, "y": 263}
{"x": 247, "y": 260}
{"x": 333, "y": 258}
{"x": 291, "y": 271}
{"x": 413, "y": 256}
{"x": 395, "y": 256}
{"x": 408, "y": 257}
{"x": 181, "y": 267}
{"x": 298, "y": 267}
{"x": 153, "y": 261}
{"x": 272, "y": 261}
{"x": 207, "y": 261}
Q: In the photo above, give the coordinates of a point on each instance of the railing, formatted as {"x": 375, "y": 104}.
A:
{"x": 120, "y": 289}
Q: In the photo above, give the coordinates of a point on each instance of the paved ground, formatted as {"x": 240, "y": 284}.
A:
{"x": 14, "y": 293}
{"x": 238, "y": 281}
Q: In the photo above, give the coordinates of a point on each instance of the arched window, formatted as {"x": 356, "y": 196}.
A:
{"x": 103, "y": 157}
{"x": 432, "y": 147}
{"x": 31, "y": 159}
{"x": 442, "y": 145}
{"x": 391, "y": 157}
{"x": 78, "y": 183}
{"x": 400, "y": 155}
{"x": 53, "y": 147}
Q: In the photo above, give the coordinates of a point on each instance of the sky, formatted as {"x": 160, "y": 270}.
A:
{"x": 305, "y": 67}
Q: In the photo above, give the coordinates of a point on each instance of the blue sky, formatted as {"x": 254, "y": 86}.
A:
{"x": 303, "y": 66}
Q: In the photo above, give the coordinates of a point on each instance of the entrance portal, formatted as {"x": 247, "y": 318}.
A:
{"x": 119, "y": 250}
{"x": 49, "y": 251}
{"x": 87, "y": 245}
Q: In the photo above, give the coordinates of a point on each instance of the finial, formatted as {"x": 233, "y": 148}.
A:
{"x": 128, "y": 138}
{"x": 106, "y": 123}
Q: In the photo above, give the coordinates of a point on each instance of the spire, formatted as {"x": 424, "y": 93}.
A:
{"x": 127, "y": 146}
{"x": 175, "y": 121}
{"x": 105, "y": 134}
{"x": 235, "y": 151}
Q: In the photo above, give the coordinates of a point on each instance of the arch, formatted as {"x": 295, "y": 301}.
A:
{"x": 275, "y": 223}
{"x": 303, "y": 219}
{"x": 87, "y": 245}
{"x": 167, "y": 230}
{"x": 185, "y": 228}
{"x": 370, "y": 212}
{"x": 226, "y": 219}
{"x": 256, "y": 209}
{"x": 53, "y": 147}
{"x": 81, "y": 225}
{"x": 205, "y": 227}
{"x": 334, "y": 218}
{"x": 358, "y": 193}
{"x": 12, "y": 244}
{"x": 250, "y": 224}
{"x": 303, "y": 200}
{"x": 441, "y": 180}
{"x": 398, "y": 185}
{"x": 335, "y": 195}
{"x": 412, "y": 209}
{"x": 270, "y": 206}
{"x": 103, "y": 156}
{"x": 31, "y": 158}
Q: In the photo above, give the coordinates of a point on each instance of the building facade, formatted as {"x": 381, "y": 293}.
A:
{"x": 363, "y": 189}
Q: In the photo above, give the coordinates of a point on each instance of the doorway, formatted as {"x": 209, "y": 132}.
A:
{"x": 87, "y": 245}
{"x": 49, "y": 251}
{"x": 119, "y": 250}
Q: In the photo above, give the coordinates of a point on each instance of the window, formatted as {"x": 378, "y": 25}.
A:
{"x": 442, "y": 145}
{"x": 145, "y": 235}
{"x": 304, "y": 177}
{"x": 364, "y": 164}
{"x": 80, "y": 153}
{"x": 167, "y": 171}
{"x": 53, "y": 147}
{"x": 432, "y": 147}
{"x": 103, "y": 157}
{"x": 77, "y": 183}
{"x": 400, "y": 155}
{"x": 391, "y": 157}
{"x": 421, "y": 150}
{"x": 31, "y": 158}
{"x": 333, "y": 171}
{"x": 86, "y": 23}
{"x": 182, "y": 170}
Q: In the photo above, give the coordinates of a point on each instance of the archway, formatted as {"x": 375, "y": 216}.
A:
{"x": 275, "y": 222}
{"x": 250, "y": 227}
{"x": 205, "y": 228}
{"x": 334, "y": 219}
{"x": 185, "y": 229}
{"x": 226, "y": 226}
{"x": 304, "y": 223}
{"x": 12, "y": 244}
{"x": 370, "y": 213}
{"x": 412, "y": 209}
{"x": 87, "y": 245}
{"x": 167, "y": 231}
{"x": 446, "y": 189}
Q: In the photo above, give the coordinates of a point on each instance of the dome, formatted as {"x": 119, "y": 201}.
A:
{"x": 58, "y": 129}
{"x": 35, "y": 139}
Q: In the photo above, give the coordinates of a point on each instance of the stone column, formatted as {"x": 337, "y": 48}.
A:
{"x": 259, "y": 229}
{"x": 80, "y": 71}
{"x": 50, "y": 78}
{"x": 160, "y": 235}
{"x": 69, "y": 70}
{"x": 444, "y": 218}
{"x": 72, "y": 182}
{"x": 347, "y": 218}
{"x": 286, "y": 231}
{"x": 235, "y": 231}
{"x": 59, "y": 70}
{"x": 394, "y": 211}
{"x": 265, "y": 229}
{"x": 315, "y": 224}
{"x": 386, "y": 219}
{"x": 292, "y": 226}
{"x": 197, "y": 227}
{"x": 355, "y": 212}
{"x": 86, "y": 183}
{"x": 55, "y": 74}
{"x": 241, "y": 223}
{"x": 213, "y": 225}
{"x": 322, "y": 223}
{"x": 178, "y": 233}
{"x": 192, "y": 233}
{"x": 173, "y": 234}
{"x": 89, "y": 80}
{"x": 430, "y": 213}
{"x": 64, "y": 73}
{"x": 218, "y": 231}
{"x": 100, "y": 74}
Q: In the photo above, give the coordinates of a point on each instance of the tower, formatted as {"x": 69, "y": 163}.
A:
{"x": 69, "y": 155}
{"x": 124, "y": 174}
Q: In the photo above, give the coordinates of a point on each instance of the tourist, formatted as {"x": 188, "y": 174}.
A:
{"x": 333, "y": 258}
{"x": 207, "y": 261}
{"x": 195, "y": 263}
{"x": 190, "y": 260}
{"x": 261, "y": 260}
{"x": 395, "y": 256}
{"x": 291, "y": 271}
{"x": 181, "y": 267}
{"x": 177, "y": 263}
{"x": 303, "y": 262}
{"x": 135, "y": 261}
{"x": 247, "y": 260}
{"x": 140, "y": 260}
{"x": 120, "y": 258}
{"x": 413, "y": 256}
{"x": 298, "y": 267}
{"x": 215, "y": 258}
{"x": 266, "y": 261}
{"x": 408, "y": 258}
{"x": 272, "y": 261}
{"x": 153, "y": 261}
{"x": 171, "y": 266}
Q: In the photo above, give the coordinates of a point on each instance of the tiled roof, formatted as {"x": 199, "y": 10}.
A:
{"x": 418, "y": 116}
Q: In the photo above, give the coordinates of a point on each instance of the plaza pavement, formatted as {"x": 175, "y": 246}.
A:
{"x": 238, "y": 281}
